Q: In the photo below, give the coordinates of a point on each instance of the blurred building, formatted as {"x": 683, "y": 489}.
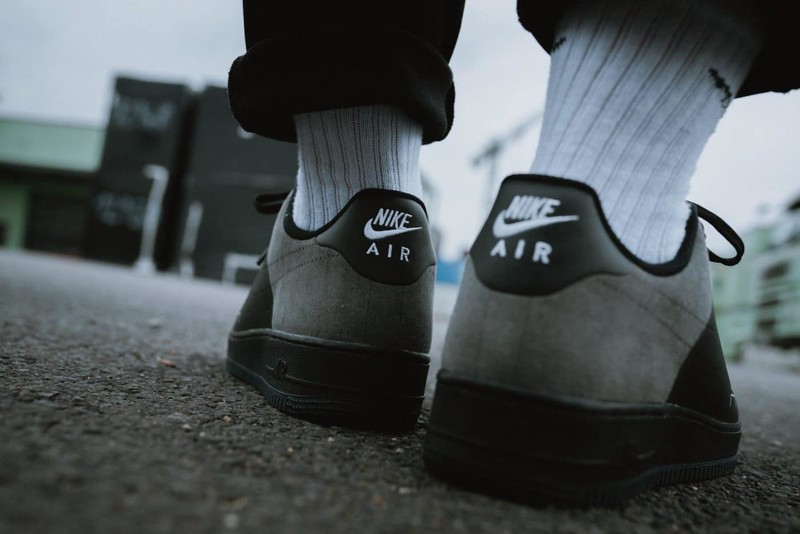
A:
{"x": 140, "y": 178}
{"x": 168, "y": 184}
{"x": 46, "y": 182}
{"x": 758, "y": 301}
{"x": 220, "y": 233}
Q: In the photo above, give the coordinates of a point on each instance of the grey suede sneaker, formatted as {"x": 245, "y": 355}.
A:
{"x": 572, "y": 371}
{"x": 337, "y": 325}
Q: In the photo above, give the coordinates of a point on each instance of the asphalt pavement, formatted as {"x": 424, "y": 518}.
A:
{"x": 117, "y": 415}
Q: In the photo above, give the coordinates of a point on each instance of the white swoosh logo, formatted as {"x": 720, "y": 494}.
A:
{"x": 503, "y": 229}
{"x": 373, "y": 234}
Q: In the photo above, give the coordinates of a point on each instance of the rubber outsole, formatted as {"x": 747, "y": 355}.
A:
{"x": 549, "y": 450}
{"x": 332, "y": 383}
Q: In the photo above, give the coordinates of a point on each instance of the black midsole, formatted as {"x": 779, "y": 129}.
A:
{"x": 302, "y": 367}
{"x": 553, "y": 441}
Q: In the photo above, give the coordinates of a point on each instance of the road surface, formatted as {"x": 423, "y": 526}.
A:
{"x": 117, "y": 415}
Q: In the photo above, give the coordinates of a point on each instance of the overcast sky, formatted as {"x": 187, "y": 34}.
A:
{"x": 58, "y": 59}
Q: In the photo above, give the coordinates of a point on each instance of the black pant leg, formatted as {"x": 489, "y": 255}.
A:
{"x": 312, "y": 55}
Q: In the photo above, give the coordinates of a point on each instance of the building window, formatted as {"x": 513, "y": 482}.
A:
{"x": 778, "y": 270}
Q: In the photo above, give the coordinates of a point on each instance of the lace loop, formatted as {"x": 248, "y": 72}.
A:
{"x": 725, "y": 231}
{"x": 269, "y": 204}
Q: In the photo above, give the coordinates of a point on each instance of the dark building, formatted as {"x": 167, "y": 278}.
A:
{"x": 46, "y": 183}
{"x": 227, "y": 169}
{"x": 133, "y": 213}
{"x": 169, "y": 184}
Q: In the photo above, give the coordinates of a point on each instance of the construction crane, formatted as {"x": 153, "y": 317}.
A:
{"x": 490, "y": 155}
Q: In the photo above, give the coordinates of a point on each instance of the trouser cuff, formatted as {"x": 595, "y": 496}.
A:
{"x": 328, "y": 68}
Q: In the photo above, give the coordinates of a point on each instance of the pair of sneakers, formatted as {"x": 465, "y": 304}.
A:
{"x": 572, "y": 371}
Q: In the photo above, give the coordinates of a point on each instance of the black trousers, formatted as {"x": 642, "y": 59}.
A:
{"x": 312, "y": 55}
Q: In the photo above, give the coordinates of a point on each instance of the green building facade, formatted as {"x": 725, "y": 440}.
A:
{"x": 758, "y": 301}
{"x": 46, "y": 181}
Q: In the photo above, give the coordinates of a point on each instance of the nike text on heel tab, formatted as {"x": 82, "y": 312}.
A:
{"x": 394, "y": 221}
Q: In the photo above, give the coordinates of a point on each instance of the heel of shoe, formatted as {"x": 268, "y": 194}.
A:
{"x": 537, "y": 449}
{"x": 332, "y": 383}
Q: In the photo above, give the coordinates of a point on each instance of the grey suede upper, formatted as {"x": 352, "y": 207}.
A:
{"x": 317, "y": 293}
{"x": 605, "y": 337}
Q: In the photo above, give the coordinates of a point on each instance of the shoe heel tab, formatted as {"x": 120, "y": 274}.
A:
{"x": 673, "y": 266}
{"x": 384, "y": 235}
{"x": 545, "y": 233}
{"x": 677, "y": 264}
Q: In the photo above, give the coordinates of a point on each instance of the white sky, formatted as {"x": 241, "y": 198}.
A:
{"x": 58, "y": 59}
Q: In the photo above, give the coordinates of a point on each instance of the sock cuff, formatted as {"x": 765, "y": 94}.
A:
{"x": 344, "y": 151}
{"x": 634, "y": 94}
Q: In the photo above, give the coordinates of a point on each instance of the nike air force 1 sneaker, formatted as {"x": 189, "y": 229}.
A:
{"x": 572, "y": 371}
{"x": 337, "y": 325}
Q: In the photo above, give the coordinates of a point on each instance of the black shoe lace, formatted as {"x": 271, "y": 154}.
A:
{"x": 270, "y": 203}
{"x": 725, "y": 231}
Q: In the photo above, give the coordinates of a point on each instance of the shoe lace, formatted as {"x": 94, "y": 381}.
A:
{"x": 725, "y": 231}
{"x": 270, "y": 203}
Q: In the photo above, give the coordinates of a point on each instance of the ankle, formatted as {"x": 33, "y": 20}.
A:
{"x": 344, "y": 151}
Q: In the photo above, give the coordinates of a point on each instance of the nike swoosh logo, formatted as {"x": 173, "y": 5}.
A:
{"x": 502, "y": 229}
{"x": 373, "y": 234}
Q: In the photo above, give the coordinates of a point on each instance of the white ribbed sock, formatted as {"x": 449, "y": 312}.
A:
{"x": 343, "y": 151}
{"x": 636, "y": 89}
